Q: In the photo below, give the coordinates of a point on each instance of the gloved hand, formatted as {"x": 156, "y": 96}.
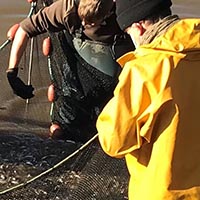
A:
{"x": 19, "y": 87}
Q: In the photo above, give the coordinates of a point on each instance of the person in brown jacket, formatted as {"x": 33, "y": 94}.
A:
{"x": 93, "y": 22}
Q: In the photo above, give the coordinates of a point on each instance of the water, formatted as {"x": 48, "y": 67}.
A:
{"x": 11, "y": 12}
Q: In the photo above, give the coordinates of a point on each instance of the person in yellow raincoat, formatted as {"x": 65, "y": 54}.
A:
{"x": 153, "y": 119}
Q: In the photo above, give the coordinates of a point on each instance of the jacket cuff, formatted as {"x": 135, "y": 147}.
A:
{"x": 29, "y": 27}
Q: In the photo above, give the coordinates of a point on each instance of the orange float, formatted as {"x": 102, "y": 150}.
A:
{"x": 11, "y": 32}
{"x": 30, "y": 1}
{"x": 46, "y": 46}
{"x": 56, "y": 132}
{"x": 54, "y": 127}
{"x": 51, "y": 93}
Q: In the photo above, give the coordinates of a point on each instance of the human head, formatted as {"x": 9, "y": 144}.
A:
{"x": 92, "y": 11}
{"x": 136, "y": 16}
{"x": 132, "y": 11}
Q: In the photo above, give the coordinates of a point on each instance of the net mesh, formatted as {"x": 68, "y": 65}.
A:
{"x": 31, "y": 164}
{"x": 79, "y": 100}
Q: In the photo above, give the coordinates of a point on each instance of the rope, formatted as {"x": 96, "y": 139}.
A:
{"x": 52, "y": 168}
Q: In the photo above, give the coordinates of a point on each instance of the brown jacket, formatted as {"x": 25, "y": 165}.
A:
{"x": 62, "y": 14}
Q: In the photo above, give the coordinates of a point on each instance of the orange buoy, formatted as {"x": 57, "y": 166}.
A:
{"x": 11, "y": 32}
{"x": 30, "y": 1}
{"x": 51, "y": 93}
{"x": 54, "y": 127}
{"x": 46, "y": 46}
{"x": 56, "y": 132}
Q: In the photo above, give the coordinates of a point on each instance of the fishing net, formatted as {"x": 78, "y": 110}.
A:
{"x": 33, "y": 166}
{"x": 79, "y": 100}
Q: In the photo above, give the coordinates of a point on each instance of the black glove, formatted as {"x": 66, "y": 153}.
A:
{"x": 19, "y": 87}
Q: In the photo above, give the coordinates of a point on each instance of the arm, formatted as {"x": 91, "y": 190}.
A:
{"x": 116, "y": 124}
{"x": 130, "y": 118}
{"x": 17, "y": 49}
{"x": 48, "y": 18}
{"x": 125, "y": 123}
{"x": 52, "y": 18}
{"x": 28, "y": 28}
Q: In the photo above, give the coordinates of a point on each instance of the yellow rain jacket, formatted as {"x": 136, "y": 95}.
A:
{"x": 154, "y": 117}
